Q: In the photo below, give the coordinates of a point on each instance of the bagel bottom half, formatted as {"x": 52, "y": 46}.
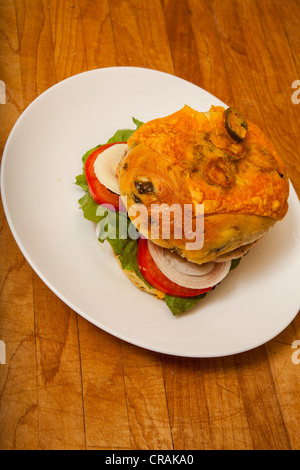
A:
{"x": 132, "y": 276}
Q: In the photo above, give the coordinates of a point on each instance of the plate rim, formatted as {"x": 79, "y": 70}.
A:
{"x": 36, "y": 269}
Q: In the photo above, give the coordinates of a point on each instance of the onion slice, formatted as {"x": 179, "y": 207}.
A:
{"x": 187, "y": 274}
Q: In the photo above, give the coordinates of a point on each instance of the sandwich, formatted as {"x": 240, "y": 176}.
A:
{"x": 195, "y": 191}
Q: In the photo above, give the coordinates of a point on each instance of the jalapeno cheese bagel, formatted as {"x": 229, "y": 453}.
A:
{"x": 216, "y": 159}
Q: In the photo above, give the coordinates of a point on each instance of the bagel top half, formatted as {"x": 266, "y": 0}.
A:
{"x": 192, "y": 158}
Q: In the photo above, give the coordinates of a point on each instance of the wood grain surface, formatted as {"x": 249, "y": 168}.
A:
{"x": 67, "y": 384}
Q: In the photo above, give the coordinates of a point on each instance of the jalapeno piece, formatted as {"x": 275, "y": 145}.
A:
{"x": 136, "y": 199}
{"x": 144, "y": 187}
{"x": 235, "y": 124}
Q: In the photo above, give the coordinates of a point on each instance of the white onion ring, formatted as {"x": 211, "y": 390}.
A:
{"x": 182, "y": 265}
{"x": 187, "y": 274}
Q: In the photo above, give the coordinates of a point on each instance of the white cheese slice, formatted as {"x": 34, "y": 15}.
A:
{"x": 105, "y": 166}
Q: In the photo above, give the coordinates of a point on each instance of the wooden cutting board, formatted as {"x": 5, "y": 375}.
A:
{"x": 66, "y": 384}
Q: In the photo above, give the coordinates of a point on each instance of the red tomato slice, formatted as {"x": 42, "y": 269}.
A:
{"x": 157, "y": 279}
{"x": 97, "y": 190}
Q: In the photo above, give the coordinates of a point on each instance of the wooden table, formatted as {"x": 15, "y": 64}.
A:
{"x": 67, "y": 384}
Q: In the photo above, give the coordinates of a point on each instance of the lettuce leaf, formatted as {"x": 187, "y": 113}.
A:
{"x": 122, "y": 135}
{"x": 180, "y": 304}
{"x": 124, "y": 248}
{"x": 108, "y": 225}
{"x": 235, "y": 263}
{"x": 89, "y": 208}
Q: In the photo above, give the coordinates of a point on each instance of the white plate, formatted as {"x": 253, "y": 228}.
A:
{"x": 41, "y": 159}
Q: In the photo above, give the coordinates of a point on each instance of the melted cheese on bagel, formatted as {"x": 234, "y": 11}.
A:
{"x": 189, "y": 158}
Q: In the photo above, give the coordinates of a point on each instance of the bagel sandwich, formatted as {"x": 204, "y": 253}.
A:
{"x": 217, "y": 164}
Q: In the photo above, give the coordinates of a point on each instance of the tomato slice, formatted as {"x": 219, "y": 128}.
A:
{"x": 157, "y": 279}
{"x": 97, "y": 190}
